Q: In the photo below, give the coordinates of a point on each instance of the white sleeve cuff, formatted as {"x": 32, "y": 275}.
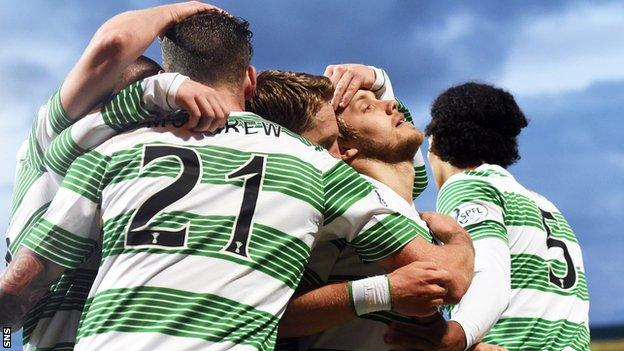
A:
{"x": 172, "y": 91}
{"x": 380, "y": 78}
{"x": 382, "y": 86}
{"x": 159, "y": 91}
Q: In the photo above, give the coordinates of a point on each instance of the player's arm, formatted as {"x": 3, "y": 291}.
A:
{"x": 376, "y": 233}
{"x": 135, "y": 104}
{"x": 478, "y": 206}
{"x": 348, "y": 78}
{"x": 60, "y": 239}
{"x": 456, "y": 255}
{"x": 116, "y": 44}
{"x": 63, "y": 237}
{"x": 416, "y": 289}
{"x": 480, "y": 308}
{"x": 22, "y": 285}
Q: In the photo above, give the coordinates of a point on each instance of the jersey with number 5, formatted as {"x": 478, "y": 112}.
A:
{"x": 205, "y": 237}
{"x": 549, "y": 302}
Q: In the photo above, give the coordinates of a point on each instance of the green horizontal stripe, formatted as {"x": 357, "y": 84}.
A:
{"x": 26, "y": 176}
{"x": 518, "y": 210}
{"x": 86, "y": 175}
{"x": 538, "y": 334}
{"x": 458, "y": 192}
{"x": 178, "y": 313}
{"x": 343, "y": 188}
{"x": 69, "y": 293}
{"x": 56, "y": 113}
{"x": 420, "y": 181}
{"x": 58, "y": 245}
{"x": 14, "y": 246}
{"x": 284, "y": 173}
{"x": 125, "y": 109}
{"x": 531, "y": 272}
{"x": 273, "y": 252}
{"x": 387, "y": 236}
{"x": 487, "y": 229}
{"x": 62, "y": 152}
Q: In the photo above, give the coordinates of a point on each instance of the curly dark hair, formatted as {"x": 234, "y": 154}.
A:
{"x": 476, "y": 123}
{"x": 210, "y": 47}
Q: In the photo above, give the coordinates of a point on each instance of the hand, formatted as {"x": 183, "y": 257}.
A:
{"x": 181, "y": 11}
{"x": 437, "y": 335}
{"x": 418, "y": 288}
{"x": 347, "y": 80}
{"x": 205, "y": 106}
{"x": 444, "y": 227}
{"x": 487, "y": 347}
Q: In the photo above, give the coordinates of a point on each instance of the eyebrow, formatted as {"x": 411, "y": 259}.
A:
{"x": 357, "y": 99}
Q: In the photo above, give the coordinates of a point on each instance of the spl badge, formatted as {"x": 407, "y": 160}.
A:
{"x": 470, "y": 213}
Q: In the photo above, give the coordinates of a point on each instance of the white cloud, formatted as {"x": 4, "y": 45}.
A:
{"x": 567, "y": 51}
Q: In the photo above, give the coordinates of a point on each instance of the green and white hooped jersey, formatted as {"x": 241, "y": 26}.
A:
{"x": 205, "y": 237}
{"x": 54, "y": 142}
{"x": 336, "y": 261}
{"x": 549, "y": 302}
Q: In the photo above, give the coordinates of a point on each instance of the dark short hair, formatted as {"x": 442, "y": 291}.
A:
{"x": 290, "y": 99}
{"x": 476, "y": 123}
{"x": 141, "y": 68}
{"x": 210, "y": 47}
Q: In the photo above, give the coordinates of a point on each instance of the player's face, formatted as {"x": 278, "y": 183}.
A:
{"x": 381, "y": 129}
{"x": 325, "y": 131}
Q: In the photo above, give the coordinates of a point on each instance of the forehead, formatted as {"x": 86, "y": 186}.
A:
{"x": 362, "y": 95}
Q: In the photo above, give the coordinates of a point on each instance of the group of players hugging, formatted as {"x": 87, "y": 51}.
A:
{"x": 203, "y": 206}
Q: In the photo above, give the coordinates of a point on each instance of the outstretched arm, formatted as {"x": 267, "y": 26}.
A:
{"x": 22, "y": 285}
{"x": 116, "y": 44}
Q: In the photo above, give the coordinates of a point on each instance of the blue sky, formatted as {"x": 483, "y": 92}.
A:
{"x": 563, "y": 60}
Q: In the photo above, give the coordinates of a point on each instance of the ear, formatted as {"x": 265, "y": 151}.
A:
{"x": 250, "y": 82}
{"x": 348, "y": 154}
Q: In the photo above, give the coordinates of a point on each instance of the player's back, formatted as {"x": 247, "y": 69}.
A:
{"x": 204, "y": 237}
{"x": 549, "y": 302}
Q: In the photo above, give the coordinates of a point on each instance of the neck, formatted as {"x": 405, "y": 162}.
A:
{"x": 398, "y": 176}
{"x": 231, "y": 100}
{"x": 446, "y": 171}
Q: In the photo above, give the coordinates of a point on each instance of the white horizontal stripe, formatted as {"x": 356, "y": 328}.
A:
{"x": 279, "y": 211}
{"x": 50, "y": 331}
{"x": 532, "y": 240}
{"x": 91, "y": 131}
{"x": 74, "y": 213}
{"x": 198, "y": 274}
{"x": 40, "y": 192}
{"x": 153, "y": 342}
{"x": 538, "y": 304}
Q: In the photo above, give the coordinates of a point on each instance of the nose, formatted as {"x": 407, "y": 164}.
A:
{"x": 391, "y": 107}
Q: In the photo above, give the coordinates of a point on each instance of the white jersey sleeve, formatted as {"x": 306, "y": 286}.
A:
{"x": 382, "y": 87}
{"x": 492, "y": 274}
{"x": 66, "y": 233}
